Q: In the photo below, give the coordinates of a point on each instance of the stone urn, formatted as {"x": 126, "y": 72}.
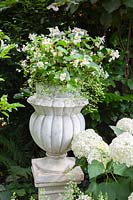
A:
{"x": 55, "y": 121}
{"x": 53, "y": 124}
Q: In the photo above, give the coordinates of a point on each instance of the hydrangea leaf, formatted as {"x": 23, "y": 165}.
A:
{"x": 129, "y": 172}
{"x": 116, "y": 130}
{"x": 119, "y": 169}
{"x": 95, "y": 169}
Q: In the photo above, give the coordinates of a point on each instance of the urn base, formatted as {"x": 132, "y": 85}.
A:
{"x": 52, "y": 175}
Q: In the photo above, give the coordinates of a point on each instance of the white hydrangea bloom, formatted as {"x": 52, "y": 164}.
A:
{"x": 126, "y": 124}
{"x": 90, "y": 145}
{"x": 121, "y": 149}
{"x": 131, "y": 196}
{"x": 100, "y": 152}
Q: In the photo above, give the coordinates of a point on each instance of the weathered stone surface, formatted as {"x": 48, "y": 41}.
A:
{"x": 51, "y": 176}
{"x": 55, "y": 121}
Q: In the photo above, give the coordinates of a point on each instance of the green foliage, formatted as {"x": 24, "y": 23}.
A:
{"x": 6, "y": 108}
{"x": 95, "y": 169}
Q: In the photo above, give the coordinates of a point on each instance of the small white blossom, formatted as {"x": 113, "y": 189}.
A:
{"x": 77, "y": 39}
{"x": 55, "y": 32}
{"x": 18, "y": 70}
{"x": 76, "y": 63}
{"x": 23, "y": 63}
{"x": 53, "y": 6}
{"x": 73, "y": 52}
{"x": 126, "y": 124}
{"x": 102, "y": 39}
{"x": 86, "y": 61}
{"x": 24, "y": 48}
{"x": 121, "y": 149}
{"x": 32, "y": 36}
{"x": 106, "y": 75}
{"x": 46, "y": 41}
{"x": 62, "y": 76}
{"x": 114, "y": 55}
{"x": 84, "y": 197}
{"x": 40, "y": 64}
{"x": 79, "y": 31}
{"x": 131, "y": 196}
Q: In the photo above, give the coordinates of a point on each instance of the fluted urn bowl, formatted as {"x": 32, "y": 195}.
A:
{"x": 55, "y": 121}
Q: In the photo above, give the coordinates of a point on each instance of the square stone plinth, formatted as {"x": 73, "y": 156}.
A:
{"x": 52, "y": 175}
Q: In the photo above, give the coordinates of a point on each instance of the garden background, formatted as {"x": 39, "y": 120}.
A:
{"x": 112, "y": 19}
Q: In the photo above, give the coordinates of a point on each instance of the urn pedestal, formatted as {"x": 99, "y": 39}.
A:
{"x": 52, "y": 126}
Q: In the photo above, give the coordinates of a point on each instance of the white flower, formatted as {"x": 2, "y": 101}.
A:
{"x": 131, "y": 196}
{"x": 18, "y": 70}
{"x": 99, "y": 41}
{"x": 99, "y": 152}
{"x": 102, "y": 39}
{"x": 32, "y": 36}
{"x": 90, "y": 145}
{"x": 106, "y": 75}
{"x": 77, "y": 40}
{"x": 79, "y": 31}
{"x": 55, "y": 32}
{"x": 62, "y": 76}
{"x": 46, "y": 41}
{"x": 23, "y": 63}
{"x": 76, "y": 63}
{"x": 73, "y": 52}
{"x": 40, "y": 64}
{"x": 121, "y": 149}
{"x": 86, "y": 61}
{"x": 126, "y": 124}
{"x": 114, "y": 55}
{"x": 84, "y": 197}
{"x": 53, "y": 6}
{"x": 24, "y": 48}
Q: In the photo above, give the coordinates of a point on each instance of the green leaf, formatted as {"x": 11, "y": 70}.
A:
{"x": 129, "y": 172}
{"x": 116, "y": 130}
{"x": 1, "y": 79}
{"x": 93, "y": 186}
{"x": 4, "y": 195}
{"x": 107, "y": 188}
{"x": 119, "y": 169}
{"x": 130, "y": 83}
{"x": 95, "y": 169}
{"x": 62, "y": 43}
{"x": 20, "y": 192}
{"x": 106, "y": 19}
{"x": 62, "y": 49}
{"x": 111, "y": 5}
{"x": 128, "y": 3}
